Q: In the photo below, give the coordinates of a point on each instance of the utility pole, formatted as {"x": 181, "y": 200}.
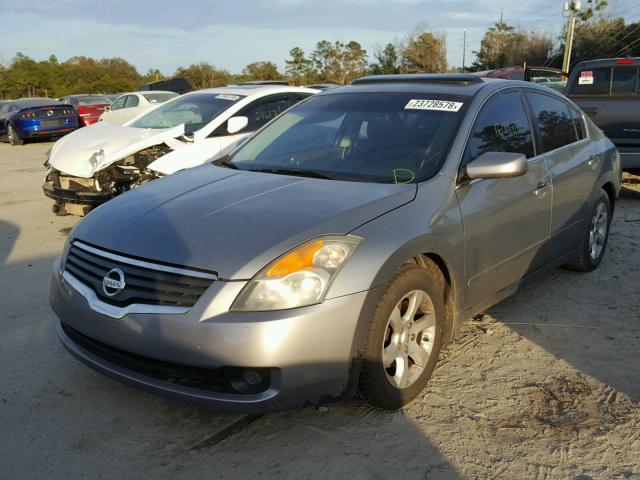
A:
{"x": 464, "y": 48}
{"x": 572, "y": 6}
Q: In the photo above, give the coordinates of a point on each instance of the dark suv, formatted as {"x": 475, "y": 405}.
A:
{"x": 609, "y": 92}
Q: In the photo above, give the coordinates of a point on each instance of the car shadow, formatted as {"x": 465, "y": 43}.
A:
{"x": 590, "y": 320}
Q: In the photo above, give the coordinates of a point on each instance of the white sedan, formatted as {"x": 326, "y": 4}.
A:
{"x": 92, "y": 165}
{"x": 130, "y": 105}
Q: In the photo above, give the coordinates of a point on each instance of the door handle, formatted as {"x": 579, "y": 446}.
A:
{"x": 541, "y": 185}
{"x": 593, "y": 161}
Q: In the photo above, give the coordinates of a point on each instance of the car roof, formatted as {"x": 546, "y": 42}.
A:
{"x": 35, "y": 102}
{"x": 609, "y": 62}
{"x": 250, "y": 90}
{"x": 444, "y": 84}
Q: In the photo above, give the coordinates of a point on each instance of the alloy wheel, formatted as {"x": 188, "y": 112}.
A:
{"x": 409, "y": 338}
{"x": 598, "y": 232}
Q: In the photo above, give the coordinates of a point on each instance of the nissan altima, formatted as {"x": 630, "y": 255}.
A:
{"x": 337, "y": 250}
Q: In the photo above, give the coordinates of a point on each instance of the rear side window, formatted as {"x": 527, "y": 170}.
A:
{"x": 578, "y": 122}
{"x": 501, "y": 126}
{"x": 553, "y": 120}
{"x": 624, "y": 81}
{"x": 595, "y": 81}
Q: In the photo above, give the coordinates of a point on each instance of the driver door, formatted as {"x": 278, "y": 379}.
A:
{"x": 506, "y": 220}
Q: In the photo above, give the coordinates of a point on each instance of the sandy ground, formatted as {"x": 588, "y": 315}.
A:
{"x": 545, "y": 385}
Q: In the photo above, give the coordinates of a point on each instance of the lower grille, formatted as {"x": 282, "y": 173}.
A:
{"x": 144, "y": 282}
{"x": 219, "y": 380}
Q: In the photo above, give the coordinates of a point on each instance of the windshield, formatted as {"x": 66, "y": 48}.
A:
{"x": 367, "y": 137}
{"x": 159, "y": 97}
{"x": 194, "y": 110}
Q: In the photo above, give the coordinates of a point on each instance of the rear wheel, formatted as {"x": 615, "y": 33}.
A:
{"x": 13, "y": 137}
{"x": 405, "y": 337}
{"x": 594, "y": 243}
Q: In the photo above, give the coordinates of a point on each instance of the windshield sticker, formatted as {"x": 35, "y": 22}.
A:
{"x": 586, "y": 78}
{"x": 224, "y": 96}
{"x": 439, "y": 105}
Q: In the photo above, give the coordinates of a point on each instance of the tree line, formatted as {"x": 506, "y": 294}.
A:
{"x": 597, "y": 36}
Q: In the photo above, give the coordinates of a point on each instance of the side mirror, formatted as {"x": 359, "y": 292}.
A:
{"x": 498, "y": 165}
{"x": 107, "y": 108}
{"x": 236, "y": 124}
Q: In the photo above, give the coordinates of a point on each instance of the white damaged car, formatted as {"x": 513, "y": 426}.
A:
{"x": 94, "y": 164}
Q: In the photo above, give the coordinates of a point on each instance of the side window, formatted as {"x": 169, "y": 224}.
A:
{"x": 501, "y": 126}
{"x": 624, "y": 80}
{"x": 262, "y": 111}
{"x": 119, "y": 103}
{"x": 132, "y": 101}
{"x": 578, "y": 123}
{"x": 592, "y": 82}
{"x": 553, "y": 120}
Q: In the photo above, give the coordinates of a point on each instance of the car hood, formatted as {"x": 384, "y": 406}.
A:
{"x": 233, "y": 222}
{"x": 88, "y": 150}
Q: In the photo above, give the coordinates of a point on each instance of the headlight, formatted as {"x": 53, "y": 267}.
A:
{"x": 298, "y": 278}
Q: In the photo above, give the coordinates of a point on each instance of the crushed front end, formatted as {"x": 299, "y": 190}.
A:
{"x": 77, "y": 195}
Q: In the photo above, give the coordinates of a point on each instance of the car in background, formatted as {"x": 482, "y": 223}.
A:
{"x": 547, "y": 76}
{"x": 30, "y": 118}
{"x": 608, "y": 90}
{"x": 340, "y": 247}
{"x": 130, "y": 105}
{"x": 88, "y": 106}
{"x": 177, "y": 85}
{"x": 95, "y": 164}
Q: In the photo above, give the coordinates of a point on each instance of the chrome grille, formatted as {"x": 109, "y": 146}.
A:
{"x": 146, "y": 283}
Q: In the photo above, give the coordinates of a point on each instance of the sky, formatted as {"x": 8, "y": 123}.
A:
{"x": 232, "y": 33}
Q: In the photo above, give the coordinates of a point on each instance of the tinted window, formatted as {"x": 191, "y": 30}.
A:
{"x": 578, "y": 123}
{"x": 263, "y": 111}
{"x": 501, "y": 126}
{"x": 624, "y": 80}
{"x": 159, "y": 97}
{"x": 132, "y": 101}
{"x": 595, "y": 81}
{"x": 119, "y": 103}
{"x": 381, "y": 137}
{"x": 553, "y": 120}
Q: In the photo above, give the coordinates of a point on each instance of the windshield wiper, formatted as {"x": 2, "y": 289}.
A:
{"x": 224, "y": 162}
{"x": 293, "y": 172}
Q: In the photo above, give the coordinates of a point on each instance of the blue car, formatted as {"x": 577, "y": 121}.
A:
{"x": 29, "y": 118}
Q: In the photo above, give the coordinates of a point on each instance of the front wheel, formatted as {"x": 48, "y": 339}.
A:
{"x": 595, "y": 239}
{"x": 405, "y": 337}
{"x": 14, "y": 139}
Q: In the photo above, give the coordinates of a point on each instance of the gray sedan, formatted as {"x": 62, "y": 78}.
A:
{"x": 341, "y": 247}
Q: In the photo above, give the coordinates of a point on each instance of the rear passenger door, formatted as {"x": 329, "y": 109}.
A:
{"x": 506, "y": 220}
{"x": 564, "y": 142}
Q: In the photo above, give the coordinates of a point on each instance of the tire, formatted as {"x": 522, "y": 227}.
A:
{"x": 594, "y": 244}
{"x": 14, "y": 139}
{"x": 393, "y": 330}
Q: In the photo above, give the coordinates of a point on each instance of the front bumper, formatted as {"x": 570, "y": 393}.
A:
{"x": 79, "y": 196}
{"x": 307, "y": 351}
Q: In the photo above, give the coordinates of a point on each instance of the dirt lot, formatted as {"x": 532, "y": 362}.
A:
{"x": 545, "y": 385}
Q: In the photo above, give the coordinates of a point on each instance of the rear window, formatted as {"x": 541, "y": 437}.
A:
{"x": 159, "y": 97}
{"x": 595, "y": 81}
{"x": 624, "y": 81}
{"x": 93, "y": 100}
{"x": 554, "y": 121}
